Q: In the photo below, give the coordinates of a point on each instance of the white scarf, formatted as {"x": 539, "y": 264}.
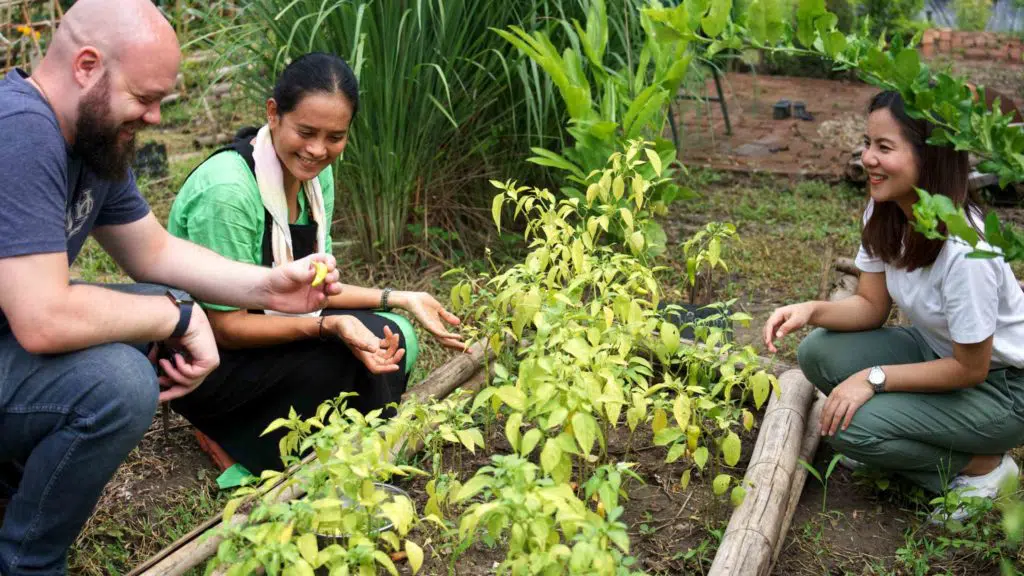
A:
{"x": 270, "y": 180}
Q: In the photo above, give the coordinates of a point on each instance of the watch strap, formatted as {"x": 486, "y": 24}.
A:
{"x": 184, "y": 314}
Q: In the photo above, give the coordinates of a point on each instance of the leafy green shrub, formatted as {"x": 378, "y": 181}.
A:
{"x": 972, "y": 14}
{"x": 889, "y": 16}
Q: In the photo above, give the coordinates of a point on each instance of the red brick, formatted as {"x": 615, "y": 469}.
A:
{"x": 945, "y": 34}
{"x": 945, "y": 46}
{"x": 928, "y": 50}
{"x": 929, "y": 36}
{"x": 958, "y": 41}
{"x": 976, "y": 53}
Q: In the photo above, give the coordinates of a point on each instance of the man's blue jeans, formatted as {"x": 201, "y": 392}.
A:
{"x": 67, "y": 421}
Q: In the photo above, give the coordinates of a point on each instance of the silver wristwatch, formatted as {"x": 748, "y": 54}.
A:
{"x": 876, "y": 377}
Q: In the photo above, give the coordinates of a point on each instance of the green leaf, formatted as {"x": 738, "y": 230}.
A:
{"x": 738, "y": 495}
{"x": 667, "y": 436}
{"x": 415, "y": 555}
{"x": 307, "y": 547}
{"x": 229, "y": 509}
{"x": 499, "y": 201}
{"x": 660, "y": 421}
{"x": 681, "y": 411}
{"x": 700, "y": 457}
{"x": 468, "y": 439}
{"x": 512, "y": 427}
{"x": 275, "y": 425}
{"x": 472, "y": 487}
{"x": 385, "y": 561}
{"x": 513, "y": 397}
{"x": 579, "y": 348}
{"x": 721, "y": 484}
{"x": 731, "y": 449}
{"x": 959, "y": 227}
{"x": 714, "y": 23}
{"x": 908, "y": 65}
{"x": 529, "y": 442}
{"x": 675, "y": 452}
{"x": 550, "y": 455}
{"x": 585, "y": 431}
{"x": 655, "y": 160}
{"x": 761, "y": 386}
{"x": 669, "y": 334}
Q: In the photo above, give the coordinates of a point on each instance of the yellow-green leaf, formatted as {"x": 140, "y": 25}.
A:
{"x": 512, "y": 426}
{"x": 684, "y": 480}
{"x": 585, "y": 431}
{"x": 669, "y": 334}
{"x": 307, "y": 547}
{"x": 499, "y": 200}
{"x": 655, "y": 160}
{"x": 415, "y": 555}
{"x": 681, "y": 410}
{"x": 700, "y": 457}
{"x": 660, "y": 421}
{"x": 748, "y": 420}
{"x": 627, "y": 217}
{"x": 675, "y": 452}
{"x": 529, "y": 441}
{"x": 618, "y": 187}
{"x": 229, "y": 509}
{"x": 760, "y": 386}
{"x": 721, "y": 484}
{"x": 731, "y": 449}
{"x": 737, "y": 496}
{"x": 550, "y": 455}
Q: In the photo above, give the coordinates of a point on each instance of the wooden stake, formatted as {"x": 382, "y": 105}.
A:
{"x": 756, "y": 525}
{"x": 812, "y": 437}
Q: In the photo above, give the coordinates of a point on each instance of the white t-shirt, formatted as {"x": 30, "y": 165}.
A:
{"x": 958, "y": 299}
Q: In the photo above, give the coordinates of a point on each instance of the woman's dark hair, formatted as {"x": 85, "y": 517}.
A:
{"x": 312, "y": 73}
{"x": 888, "y": 234}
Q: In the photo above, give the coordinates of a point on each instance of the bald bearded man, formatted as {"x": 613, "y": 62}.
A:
{"x": 77, "y": 390}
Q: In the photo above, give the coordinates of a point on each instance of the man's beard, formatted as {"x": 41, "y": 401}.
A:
{"x": 98, "y": 139}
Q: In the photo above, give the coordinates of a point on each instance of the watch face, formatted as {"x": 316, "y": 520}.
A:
{"x": 180, "y": 295}
{"x": 876, "y": 376}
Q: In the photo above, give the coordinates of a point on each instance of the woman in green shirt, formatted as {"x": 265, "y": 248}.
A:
{"x": 268, "y": 199}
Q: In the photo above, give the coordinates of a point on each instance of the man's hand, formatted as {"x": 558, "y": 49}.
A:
{"x": 380, "y": 356}
{"x": 192, "y": 358}
{"x": 289, "y": 287}
{"x": 844, "y": 401}
{"x": 432, "y": 315}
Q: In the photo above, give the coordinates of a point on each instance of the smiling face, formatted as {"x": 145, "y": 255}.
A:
{"x": 124, "y": 99}
{"x": 312, "y": 135}
{"x": 890, "y": 160}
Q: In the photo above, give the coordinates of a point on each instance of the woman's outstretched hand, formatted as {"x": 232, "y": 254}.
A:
{"x": 379, "y": 355}
{"x": 432, "y": 315}
{"x": 786, "y": 320}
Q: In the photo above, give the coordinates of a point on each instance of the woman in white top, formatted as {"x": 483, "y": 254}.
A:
{"x": 941, "y": 401}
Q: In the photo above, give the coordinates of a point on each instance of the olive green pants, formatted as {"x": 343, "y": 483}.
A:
{"x": 927, "y": 437}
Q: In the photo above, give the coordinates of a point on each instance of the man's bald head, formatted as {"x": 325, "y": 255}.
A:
{"x": 118, "y": 28}
{"x": 109, "y": 66}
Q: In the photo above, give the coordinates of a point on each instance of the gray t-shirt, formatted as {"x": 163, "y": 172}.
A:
{"x": 50, "y": 200}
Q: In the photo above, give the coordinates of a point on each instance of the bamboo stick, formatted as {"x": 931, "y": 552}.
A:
{"x": 756, "y": 525}
{"x": 192, "y": 550}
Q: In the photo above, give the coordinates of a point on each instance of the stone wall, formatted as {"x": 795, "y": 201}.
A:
{"x": 968, "y": 45}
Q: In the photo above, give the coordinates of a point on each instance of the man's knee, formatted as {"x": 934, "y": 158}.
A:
{"x": 124, "y": 387}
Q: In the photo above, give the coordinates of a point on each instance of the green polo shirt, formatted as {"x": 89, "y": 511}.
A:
{"x": 219, "y": 207}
